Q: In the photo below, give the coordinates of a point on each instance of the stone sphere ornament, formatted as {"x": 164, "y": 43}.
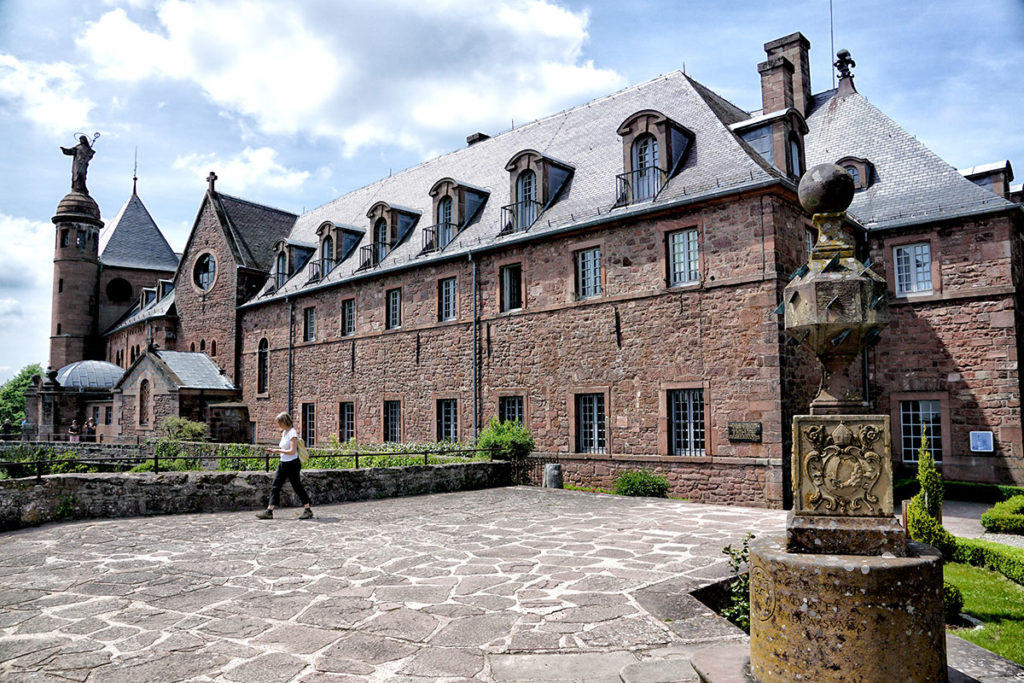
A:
{"x": 826, "y": 188}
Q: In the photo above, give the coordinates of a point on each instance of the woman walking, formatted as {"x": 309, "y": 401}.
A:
{"x": 288, "y": 469}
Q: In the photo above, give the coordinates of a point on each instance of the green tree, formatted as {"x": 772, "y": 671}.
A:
{"x": 12, "y": 394}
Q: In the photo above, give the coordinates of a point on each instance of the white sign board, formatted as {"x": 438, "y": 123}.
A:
{"x": 981, "y": 442}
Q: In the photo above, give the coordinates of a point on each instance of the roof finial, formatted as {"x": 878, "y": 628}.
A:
{"x": 212, "y": 178}
{"x": 843, "y": 64}
{"x": 135, "y": 172}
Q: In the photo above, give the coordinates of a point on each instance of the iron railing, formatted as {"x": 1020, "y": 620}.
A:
{"x": 280, "y": 279}
{"x": 315, "y": 272}
{"x": 518, "y": 217}
{"x": 437, "y": 237}
{"x": 372, "y": 254}
{"x": 639, "y": 185}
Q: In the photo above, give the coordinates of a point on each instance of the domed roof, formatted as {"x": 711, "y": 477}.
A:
{"x": 89, "y": 375}
{"x": 78, "y": 207}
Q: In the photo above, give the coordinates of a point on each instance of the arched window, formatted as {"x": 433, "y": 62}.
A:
{"x": 445, "y": 228}
{"x": 213, "y": 348}
{"x": 380, "y": 239}
{"x": 646, "y": 173}
{"x": 262, "y": 366}
{"x": 854, "y": 173}
{"x": 144, "y": 402}
{"x": 282, "y": 270}
{"x": 193, "y": 348}
{"x": 795, "y": 167}
{"x": 327, "y": 255}
{"x": 526, "y": 199}
{"x": 202, "y": 345}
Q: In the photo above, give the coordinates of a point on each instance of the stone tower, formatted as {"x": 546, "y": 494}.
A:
{"x": 76, "y": 274}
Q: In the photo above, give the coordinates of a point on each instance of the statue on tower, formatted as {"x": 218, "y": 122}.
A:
{"x": 82, "y": 153}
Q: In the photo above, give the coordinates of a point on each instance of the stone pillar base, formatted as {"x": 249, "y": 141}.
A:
{"x": 845, "y": 535}
{"x": 845, "y": 617}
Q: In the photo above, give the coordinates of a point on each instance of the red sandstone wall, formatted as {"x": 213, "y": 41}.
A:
{"x": 110, "y": 311}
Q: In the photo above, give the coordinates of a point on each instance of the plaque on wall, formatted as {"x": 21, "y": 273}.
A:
{"x": 745, "y": 431}
{"x": 981, "y": 442}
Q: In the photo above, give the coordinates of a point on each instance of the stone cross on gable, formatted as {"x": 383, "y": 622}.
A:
{"x": 212, "y": 178}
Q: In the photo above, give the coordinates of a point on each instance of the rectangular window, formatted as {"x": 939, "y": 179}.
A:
{"x": 95, "y": 415}
{"x": 446, "y": 299}
{"x": 393, "y": 314}
{"x": 447, "y": 419}
{"x": 393, "y": 421}
{"x": 590, "y": 423}
{"x": 686, "y": 422}
{"x": 588, "y": 273}
{"x": 309, "y": 423}
{"x": 348, "y": 317}
{"x": 80, "y": 236}
{"x": 346, "y": 421}
{"x": 682, "y": 257}
{"x": 913, "y": 268}
{"x": 65, "y": 238}
{"x": 510, "y": 409}
{"x": 915, "y": 417}
{"x": 60, "y": 285}
{"x": 309, "y": 324}
{"x": 512, "y": 287}
{"x": 108, "y": 415}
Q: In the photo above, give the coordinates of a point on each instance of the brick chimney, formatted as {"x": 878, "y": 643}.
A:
{"x": 794, "y": 48}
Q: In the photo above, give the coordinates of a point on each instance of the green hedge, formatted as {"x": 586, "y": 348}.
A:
{"x": 1006, "y": 560}
{"x": 641, "y": 483}
{"x": 924, "y": 528}
{"x": 959, "y": 490}
{"x": 1006, "y": 517}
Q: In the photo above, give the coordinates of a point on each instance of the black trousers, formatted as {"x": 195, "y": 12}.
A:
{"x": 288, "y": 470}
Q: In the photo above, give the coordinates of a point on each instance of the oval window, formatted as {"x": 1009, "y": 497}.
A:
{"x": 119, "y": 290}
{"x": 206, "y": 268}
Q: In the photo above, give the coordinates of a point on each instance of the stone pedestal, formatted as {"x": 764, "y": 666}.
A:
{"x": 553, "y": 476}
{"x": 849, "y": 618}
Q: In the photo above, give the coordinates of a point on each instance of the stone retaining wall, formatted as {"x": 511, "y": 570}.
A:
{"x": 25, "y": 502}
{"x": 737, "y": 481}
{"x": 84, "y": 450}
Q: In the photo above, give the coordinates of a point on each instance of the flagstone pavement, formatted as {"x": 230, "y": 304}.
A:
{"x": 512, "y": 584}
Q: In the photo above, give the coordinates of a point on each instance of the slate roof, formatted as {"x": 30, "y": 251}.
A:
{"x": 133, "y": 240}
{"x": 584, "y": 137}
{"x": 255, "y": 229}
{"x": 89, "y": 375}
{"x": 912, "y": 184}
{"x": 194, "y": 370}
{"x": 160, "y": 309}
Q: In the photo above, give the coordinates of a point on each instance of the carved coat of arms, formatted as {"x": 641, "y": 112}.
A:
{"x": 842, "y": 469}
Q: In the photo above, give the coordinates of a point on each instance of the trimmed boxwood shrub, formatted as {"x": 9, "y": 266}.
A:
{"x": 1006, "y": 560}
{"x": 1006, "y": 517}
{"x": 952, "y": 602}
{"x": 641, "y": 483}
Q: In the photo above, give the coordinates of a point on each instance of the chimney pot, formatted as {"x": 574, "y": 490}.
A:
{"x": 476, "y": 137}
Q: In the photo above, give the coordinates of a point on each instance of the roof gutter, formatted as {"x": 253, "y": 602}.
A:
{"x": 933, "y": 218}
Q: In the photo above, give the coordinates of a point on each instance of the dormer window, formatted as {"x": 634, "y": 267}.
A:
{"x": 535, "y": 182}
{"x": 445, "y": 226}
{"x": 281, "y": 270}
{"x": 861, "y": 170}
{"x": 654, "y": 148}
{"x": 794, "y": 161}
{"x": 327, "y": 255}
{"x": 456, "y": 204}
{"x": 391, "y": 225}
{"x": 778, "y": 138}
{"x": 380, "y": 240}
{"x": 291, "y": 257}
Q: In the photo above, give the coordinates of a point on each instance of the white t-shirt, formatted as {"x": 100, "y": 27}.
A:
{"x": 286, "y": 443}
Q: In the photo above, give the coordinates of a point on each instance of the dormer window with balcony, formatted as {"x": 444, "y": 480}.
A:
{"x": 391, "y": 225}
{"x": 535, "y": 183}
{"x": 456, "y": 205}
{"x": 654, "y": 148}
{"x": 861, "y": 170}
{"x": 337, "y": 242}
{"x": 290, "y": 257}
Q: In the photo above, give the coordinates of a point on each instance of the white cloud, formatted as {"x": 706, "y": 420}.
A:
{"x": 45, "y": 93}
{"x": 25, "y": 299}
{"x": 10, "y": 308}
{"x": 250, "y": 168}
{"x": 394, "y": 71}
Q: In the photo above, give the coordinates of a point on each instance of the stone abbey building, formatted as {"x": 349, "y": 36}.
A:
{"x": 609, "y": 275}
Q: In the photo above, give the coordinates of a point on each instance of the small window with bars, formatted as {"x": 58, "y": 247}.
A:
{"x": 309, "y": 324}
{"x": 913, "y": 268}
{"x": 393, "y": 312}
{"x": 512, "y": 287}
{"x": 510, "y": 409}
{"x": 915, "y": 418}
{"x": 446, "y": 299}
{"x": 588, "y": 273}
{"x": 309, "y": 423}
{"x": 348, "y": 317}
{"x": 686, "y": 422}
{"x": 682, "y": 257}
{"x": 393, "y": 421}
{"x": 346, "y": 421}
{"x": 447, "y": 419}
{"x": 108, "y": 415}
{"x": 590, "y": 423}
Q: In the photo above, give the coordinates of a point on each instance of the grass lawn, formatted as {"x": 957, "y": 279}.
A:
{"x": 995, "y": 600}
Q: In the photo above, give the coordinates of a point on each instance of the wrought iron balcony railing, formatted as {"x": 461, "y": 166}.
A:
{"x": 520, "y": 216}
{"x": 639, "y": 185}
{"x": 280, "y": 279}
{"x": 315, "y": 272}
{"x": 437, "y": 237}
{"x": 372, "y": 254}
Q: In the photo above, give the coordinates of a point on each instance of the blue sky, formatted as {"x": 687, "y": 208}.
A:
{"x": 293, "y": 104}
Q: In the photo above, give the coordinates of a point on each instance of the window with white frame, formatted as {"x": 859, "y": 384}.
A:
{"x": 512, "y": 287}
{"x": 686, "y": 422}
{"x": 447, "y": 419}
{"x": 916, "y": 418}
{"x": 588, "y": 273}
{"x": 346, "y": 421}
{"x": 309, "y": 423}
{"x": 446, "y": 299}
{"x": 445, "y": 226}
{"x": 393, "y": 312}
{"x": 683, "y": 261}
{"x": 309, "y": 324}
{"x": 913, "y": 268}
{"x": 348, "y": 317}
{"x": 393, "y": 421}
{"x": 526, "y": 200}
{"x": 590, "y": 423}
{"x": 510, "y": 409}
{"x": 646, "y": 178}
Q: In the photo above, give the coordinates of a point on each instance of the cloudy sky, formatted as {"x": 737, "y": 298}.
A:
{"x": 295, "y": 103}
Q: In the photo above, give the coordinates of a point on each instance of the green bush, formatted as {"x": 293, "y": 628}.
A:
{"x": 1006, "y": 517}
{"x": 641, "y": 483}
{"x": 183, "y": 429}
{"x": 738, "y": 609}
{"x": 1006, "y": 560}
{"x": 509, "y": 439}
{"x": 952, "y": 602}
{"x": 924, "y": 528}
{"x": 931, "y": 481}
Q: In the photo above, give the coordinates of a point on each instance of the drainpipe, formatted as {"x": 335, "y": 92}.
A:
{"x": 291, "y": 320}
{"x": 476, "y": 360}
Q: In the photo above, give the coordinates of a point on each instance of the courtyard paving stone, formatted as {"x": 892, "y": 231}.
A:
{"x": 514, "y": 584}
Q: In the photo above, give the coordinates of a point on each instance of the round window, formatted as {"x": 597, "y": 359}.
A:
{"x": 119, "y": 290}
{"x": 206, "y": 268}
